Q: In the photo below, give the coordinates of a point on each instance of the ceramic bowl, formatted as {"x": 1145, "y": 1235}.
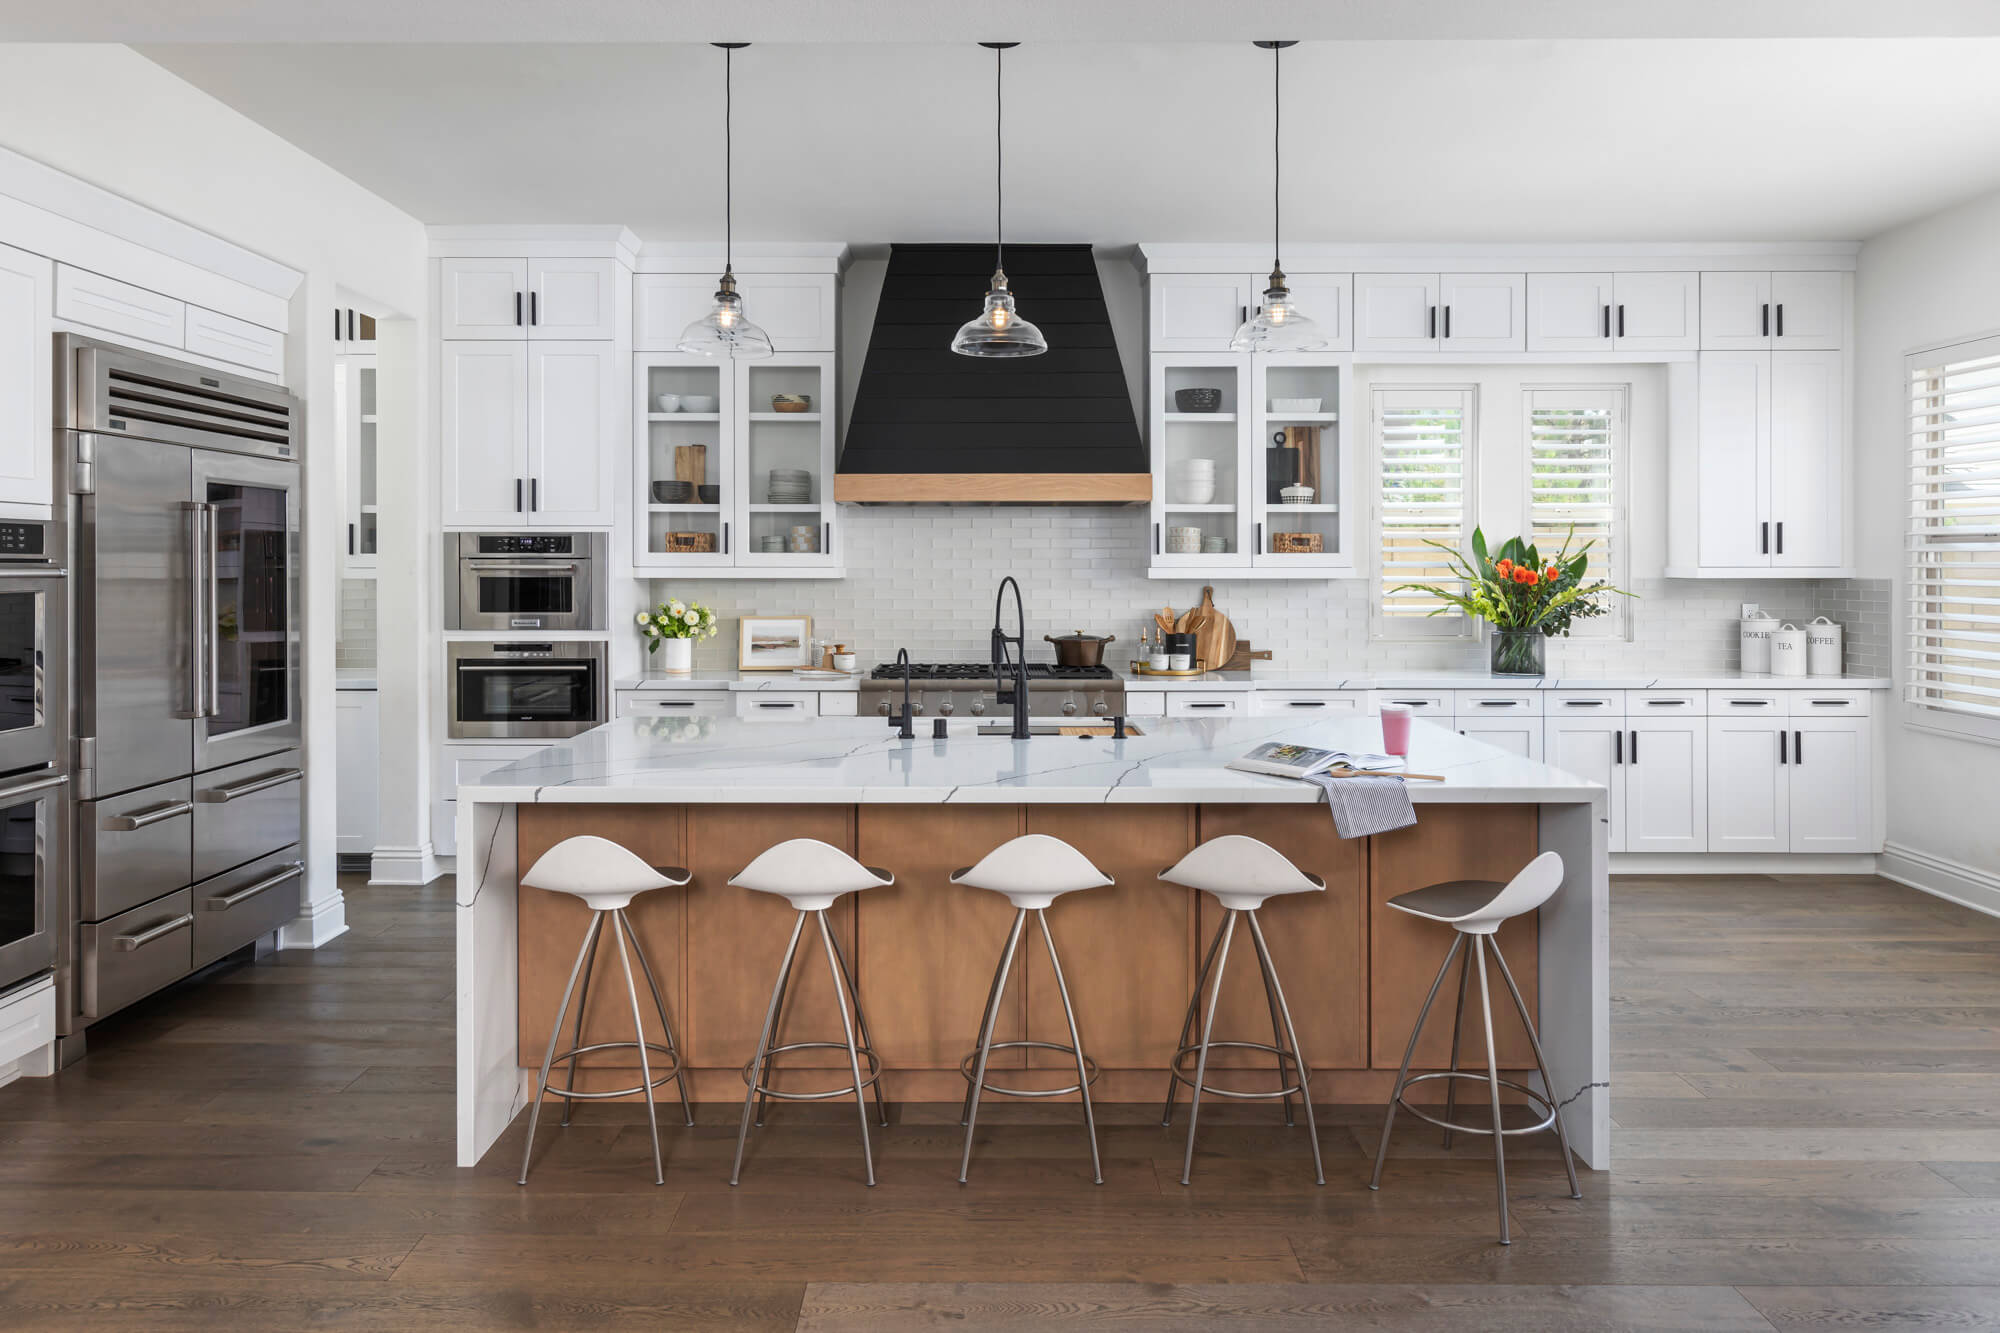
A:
{"x": 672, "y": 492}
{"x": 1297, "y": 495}
{"x": 669, "y": 402}
{"x": 1197, "y": 400}
{"x": 709, "y": 494}
{"x": 699, "y": 402}
{"x": 791, "y": 402}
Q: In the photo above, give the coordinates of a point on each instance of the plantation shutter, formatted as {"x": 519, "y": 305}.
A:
{"x": 1954, "y": 530}
{"x": 1575, "y": 455}
{"x": 1423, "y": 477}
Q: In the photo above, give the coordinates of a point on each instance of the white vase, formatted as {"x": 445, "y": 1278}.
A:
{"x": 677, "y": 656}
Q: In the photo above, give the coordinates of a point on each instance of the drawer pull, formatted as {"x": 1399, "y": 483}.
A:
{"x": 1195, "y": 704}
{"x": 1412, "y": 703}
{"x": 1305, "y": 703}
{"x": 1583, "y": 703}
{"x": 1666, "y": 703}
{"x": 139, "y": 819}
{"x": 1499, "y": 703}
{"x": 224, "y": 794}
{"x": 229, "y": 900}
{"x": 1749, "y": 703}
{"x": 127, "y": 943}
{"x": 789, "y": 703}
{"x": 1828, "y": 703}
{"x": 673, "y": 703}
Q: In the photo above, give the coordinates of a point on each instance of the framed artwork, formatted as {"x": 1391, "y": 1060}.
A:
{"x": 774, "y": 643}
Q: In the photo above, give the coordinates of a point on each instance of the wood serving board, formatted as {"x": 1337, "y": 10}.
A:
{"x": 1214, "y": 636}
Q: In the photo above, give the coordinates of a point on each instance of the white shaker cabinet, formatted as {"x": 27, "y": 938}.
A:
{"x": 508, "y": 300}
{"x": 1516, "y": 735}
{"x": 1807, "y": 465}
{"x": 1804, "y": 311}
{"x": 1198, "y": 312}
{"x": 1582, "y": 312}
{"x": 572, "y": 395}
{"x": 1666, "y": 769}
{"x": 1431, "y": 312}
{"x": 1832, "y": 785}
{"x": 358, "y": 746}
{"x": 1395, "y": 312}
{"x": 1770, "y": 462}
{"x": 1749, "y": 804}
{"x": 483, "y": 298}
{"x": 1592, "y": 746}
{"x": 524, "y": 432}
{"x": 798, "y": 310}
{"x": 25, "y": 350}
{"x": 483, "y": 400}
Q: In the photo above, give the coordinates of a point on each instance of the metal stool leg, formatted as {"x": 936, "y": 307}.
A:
{"x": 1276, "y": 990}
{"x": 666, "y": 1025}
{"x": 1207, "y": 1031}
{"x": 986, "y": 1039}
{"x": 645, "y": 1065}
{"x": 1076, "y": 1045}
{"x": 759, "y": 1071}
{"x": 582, "y": 1006}
{"x": 777, "y": 1025}
{"x": 1548, "y": 1084}
{"x": 1493, "y": 1086}
{"x": 847, "y": 1030}
{"x": 1457, "y": 1024}
{"x": 985, "y": 1015}
{"x": 1403, "y": 1073}
{"x": 1187, "y": 1025}
{"x": 555, "y": 1034}
{"x": 861, "y": 1021}
{"x": 1277, "y": 1033}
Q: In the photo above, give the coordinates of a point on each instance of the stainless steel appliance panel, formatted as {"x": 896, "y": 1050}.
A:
{"x": 31, "y": 868}
{"x": 245, "y": 811}
{"x": 238, "y": 906}
{"x": 135, "y": 692}
{"x": 535, "y": 691}
{"x": 134, "y": 953}
{"x": 105, "y": 389}
{"x": 246, "y": 567}
{"x": 32, "y": 652}
{"x": 524, "y": 581}
{"x": 133, "y": 847}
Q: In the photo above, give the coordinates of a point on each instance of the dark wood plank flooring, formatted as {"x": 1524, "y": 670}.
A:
{"x": 1807, "y": 1099}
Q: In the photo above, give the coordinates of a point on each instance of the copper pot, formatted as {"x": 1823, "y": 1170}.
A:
{"x": 1079, "y": 649}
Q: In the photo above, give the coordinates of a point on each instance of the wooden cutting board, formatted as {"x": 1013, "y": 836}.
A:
{"x": 1214, "y": 636}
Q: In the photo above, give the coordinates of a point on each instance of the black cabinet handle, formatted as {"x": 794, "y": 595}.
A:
{"x": 1243, "y": 314}
{"x": 1617, "y": 747}
{"x": 1781, "y": 319}
{"x": 1781, "y": 747}
{"x": 1607, "y": 321}
{"x": 350, "y": 539}
{"x": 1156, "y": 539}
{"x": 535, "y": 496}
{"x": 725, "y": 539}
{"x": 1260, "y": 539}
{"x": 1798, "y": 747}
{"x": 1583, "y": 703}
{"x": 336, "y": 326}
{"x": 517, "y": 308}
{"x": 826, "y": 538}
{"x": 1434, "y": 322}
{"x": 1635, "y": 747}
{"x": 1765, "y": 328}
{"x": 1781, "y": 536}
{"x": 1621, "y": 320}
{"x": 517, "y": 495}
{"x": 350, "y": 324}
{"x": 534, "y": 307}
{"x": 1447, "y": 321}
{"x": 1764, "y": 538}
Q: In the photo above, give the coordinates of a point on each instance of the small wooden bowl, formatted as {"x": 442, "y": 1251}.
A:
{"x": 791, "y": 402}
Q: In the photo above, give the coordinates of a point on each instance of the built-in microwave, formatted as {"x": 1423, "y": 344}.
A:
{"x": 519, "y": 690}
{"x": 524, "y": 581}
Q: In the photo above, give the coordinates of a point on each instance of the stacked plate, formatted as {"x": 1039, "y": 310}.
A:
{"x": 771, "y": 545}
{"x": 790, "y": 486}
{"x": 1194, "y": 481}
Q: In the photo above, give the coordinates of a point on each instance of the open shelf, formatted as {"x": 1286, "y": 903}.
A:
{"x": 1199, "y": 509}
{"x": 684, "y": 416}
{"x": 1303, "y": 418}
{"x": 1279, "y": 510}
{"x": 1220, "y": 418}
{"x": 804, "y": 418}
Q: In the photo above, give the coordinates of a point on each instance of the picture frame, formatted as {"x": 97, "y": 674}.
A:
{"x": 774, "y": 643}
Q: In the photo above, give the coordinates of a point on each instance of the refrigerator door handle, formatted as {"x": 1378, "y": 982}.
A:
{"x": 195, "y": 514}
{"x": 212, "y": 700}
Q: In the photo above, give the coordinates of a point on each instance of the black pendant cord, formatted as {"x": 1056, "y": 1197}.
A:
{"x": 999, "y": 165}
{"x": 728, "y": 160}
{"x": 1277, "y": 158}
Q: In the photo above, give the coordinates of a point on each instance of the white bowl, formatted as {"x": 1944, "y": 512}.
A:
{"x": 1296, "y": 405}
{"x": 699, "y": 402}
{"x": 1297, "y": 495}
{"x": 1195, "y": 493}
{"x": 669, "y": 402}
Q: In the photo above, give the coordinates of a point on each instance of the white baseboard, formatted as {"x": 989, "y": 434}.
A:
{"x": 1954, "y": 881}
{"x": 1722, "y": 863}
{"x": 321, "y": 921}
{"x": 405, "y": 865}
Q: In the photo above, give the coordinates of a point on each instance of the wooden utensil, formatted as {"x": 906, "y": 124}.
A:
{"x": 1214, "y": 636}
{"x": 1382, "y": 773}
{"x": 1164, "y": 618}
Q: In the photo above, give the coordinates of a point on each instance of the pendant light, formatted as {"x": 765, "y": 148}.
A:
{"x": 1277, "y": 326}
{"x": 998, "y": 331}
{"x": 724, "y": 331}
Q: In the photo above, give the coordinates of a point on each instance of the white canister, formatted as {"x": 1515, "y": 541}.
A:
{"x": 1788, "y": 651}
{"x": 1754, "y": 635}
{"x": 1822, "y": 647}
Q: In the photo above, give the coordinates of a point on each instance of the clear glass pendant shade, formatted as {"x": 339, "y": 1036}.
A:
{"x": 724, "y": 331}
{"x": 999, "y": 331}
{"x": 1278, "y": 325}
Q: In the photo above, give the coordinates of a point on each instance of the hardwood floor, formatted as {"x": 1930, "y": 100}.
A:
{"x": 1806, "y": 1091}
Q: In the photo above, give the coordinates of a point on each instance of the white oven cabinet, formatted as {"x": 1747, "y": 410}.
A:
{"x": 1769, "y": 485}
{"x": 1666, "y": 782}
{"x": 1802, "y": 311}
{"x": 1591, "y": 312}
{"x": 524, "y": 431}
{"x": 25, "y": 351}
{"x": 520, "y": 300}
{"x": 573, "y": 416}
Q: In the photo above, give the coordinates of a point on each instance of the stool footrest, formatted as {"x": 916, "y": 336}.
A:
{"x": 570, "y": 1056}
{"x": 1089, "y": 1067}
{"x": 871, "y": 1072}
{"x": 1474, "y": 1076}
{"x": 1186, "y": 1077}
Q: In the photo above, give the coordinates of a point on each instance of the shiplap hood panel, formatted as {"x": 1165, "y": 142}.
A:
{"x": 931, "y": 426}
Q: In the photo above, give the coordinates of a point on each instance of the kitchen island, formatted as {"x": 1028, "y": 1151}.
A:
{"x": 711, "y": 793}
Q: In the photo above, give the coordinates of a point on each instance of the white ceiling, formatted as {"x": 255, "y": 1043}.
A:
{"x": 1431, "y": 140}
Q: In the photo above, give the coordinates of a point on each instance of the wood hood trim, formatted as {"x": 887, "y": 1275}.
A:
{"x": 993, "y": 487}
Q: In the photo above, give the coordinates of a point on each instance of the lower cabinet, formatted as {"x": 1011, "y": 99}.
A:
{"x": 1517, "y": 735}
{"x": 1832, "y": 772}
{"x": 357, "y": 742}
{"x": 1666, "y": 777}
{"x": 1749, "y": 808}
{"x": 1593, "y": 748}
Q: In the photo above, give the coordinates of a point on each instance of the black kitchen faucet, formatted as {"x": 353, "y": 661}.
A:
{"x": 1018, "y": 696}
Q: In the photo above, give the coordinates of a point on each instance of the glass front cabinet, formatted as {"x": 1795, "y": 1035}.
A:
{"x": 734, "y": 465}
{"x": 354, "y": 409}
{"x": 1251, "y": 472}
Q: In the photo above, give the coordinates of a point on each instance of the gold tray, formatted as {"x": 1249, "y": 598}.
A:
{"x": 1141, "y": 669}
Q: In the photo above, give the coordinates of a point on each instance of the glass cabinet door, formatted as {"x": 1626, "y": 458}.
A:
{"x": 1202, "y": 481}
{"x": 355, "y": 403}
{"x": 1301, "y": 518}
{"x": 786, "y": 459}
{"x": 684, "y": 462}
{"x": 252, "y": 581}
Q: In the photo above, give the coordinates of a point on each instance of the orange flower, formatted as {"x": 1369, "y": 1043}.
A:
{"x": 1527, "y": 576}
{"x": 1551, "y": 573}
{"x": 1505, "y": 569}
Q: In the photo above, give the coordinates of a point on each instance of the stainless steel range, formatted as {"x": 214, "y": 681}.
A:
{"x": 967, "y": 689}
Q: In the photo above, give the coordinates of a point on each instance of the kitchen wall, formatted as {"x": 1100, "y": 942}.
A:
{"x": 356, "y": 647}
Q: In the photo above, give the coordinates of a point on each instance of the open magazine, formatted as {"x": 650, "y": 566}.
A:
{"x": 1285, "y": 759}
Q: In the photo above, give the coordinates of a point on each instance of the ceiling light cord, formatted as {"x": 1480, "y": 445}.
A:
{"x": 1277, "y": 158}
{"x": 728, "y": 160}
{"x": 999, "y": 165}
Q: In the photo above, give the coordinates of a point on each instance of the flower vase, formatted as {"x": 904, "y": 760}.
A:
{"x": 1518, "y": 652}
{"x": 677, "y": 656}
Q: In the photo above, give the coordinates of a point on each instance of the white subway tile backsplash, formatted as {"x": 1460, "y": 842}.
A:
{"x": 355, "y": 645}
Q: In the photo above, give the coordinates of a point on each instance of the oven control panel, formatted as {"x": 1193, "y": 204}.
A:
{"x": 24, "y": 541}
{"x": 527, "y": 543}
{"x": 524, "y": 650}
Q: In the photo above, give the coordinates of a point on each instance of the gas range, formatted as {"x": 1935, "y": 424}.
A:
{"x": 965, "y": 689}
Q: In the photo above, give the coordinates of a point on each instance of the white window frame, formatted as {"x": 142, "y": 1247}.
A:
{"x": 1920, "y": 714}
{"x": 1421, "y": 629}
{"x": 1616, "y": 623}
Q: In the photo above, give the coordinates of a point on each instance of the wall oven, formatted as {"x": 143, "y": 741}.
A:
{"x": 32, "y": 865}
{"x": 537, "y": 691}
{"x": 524, "y": 581}
{"x": 33, "y": 595}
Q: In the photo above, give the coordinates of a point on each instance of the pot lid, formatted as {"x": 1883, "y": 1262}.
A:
{"x": 1078, "y": 636}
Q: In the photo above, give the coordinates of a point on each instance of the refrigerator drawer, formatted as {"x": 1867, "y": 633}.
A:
{"x": 244, "y": 811}
{"x": 239, "y": 905}
{"x": 130, "y": 849}
{"x": 135, "y": 953}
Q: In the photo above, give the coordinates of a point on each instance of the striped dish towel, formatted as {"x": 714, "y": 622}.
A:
{"x": 1368, "y": 805}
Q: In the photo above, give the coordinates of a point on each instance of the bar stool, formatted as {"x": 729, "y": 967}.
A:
{"x": 607, "y": 877}
{"x": 1031, "y": 872}
{"x": 1241, "y": 874}
{"x": 1475, "y": 909}
{"x": 811, "y": 874}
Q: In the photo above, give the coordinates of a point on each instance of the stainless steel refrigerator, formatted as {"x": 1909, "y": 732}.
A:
{"x": 183, "y": 542}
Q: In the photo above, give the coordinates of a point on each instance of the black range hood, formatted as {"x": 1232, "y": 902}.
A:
{"x": 931, "y": 426}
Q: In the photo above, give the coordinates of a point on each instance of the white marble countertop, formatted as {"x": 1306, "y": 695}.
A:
{"x": 700, "y": 679}
{"x": 836, "y": 761}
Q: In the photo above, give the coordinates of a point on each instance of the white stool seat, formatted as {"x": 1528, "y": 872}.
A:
{"x": 809, "y": 874}
{"x": 1478, "y": 906}
{"x": 1032, "y": 871}
{"x": 1241, "y": 873}
{"x": 599, "y": 871}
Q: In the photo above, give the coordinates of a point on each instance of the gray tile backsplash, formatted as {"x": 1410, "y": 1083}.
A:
{"x": 355, "y": 646}
{"x": 923, "y": 578}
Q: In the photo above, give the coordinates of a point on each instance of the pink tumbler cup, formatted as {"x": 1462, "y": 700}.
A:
{"x": 1396, "y": 729}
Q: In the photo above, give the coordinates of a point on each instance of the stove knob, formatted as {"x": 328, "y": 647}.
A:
{"x": 917, "y": 707}
{"x": 883, "y": 708}
{"x": 946, "y": 707}
{"x": 978, "y": 705}
{"x": 1099, "y": 707}
{"x": 1069, "y": 706}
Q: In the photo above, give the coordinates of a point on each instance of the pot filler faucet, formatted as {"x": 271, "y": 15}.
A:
{"x": 901, "y": 722}
{"x": 1018, "y": 696}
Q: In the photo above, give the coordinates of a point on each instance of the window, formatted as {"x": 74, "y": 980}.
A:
{"x": 1953, "y": 667}
{"x": 1576, "y": 463}
{"x": 1424, "y": 484}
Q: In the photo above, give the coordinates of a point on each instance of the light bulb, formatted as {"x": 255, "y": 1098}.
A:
{"x": 1276, "y": 311}
{"x": 999, "y": 317}
{"x": 726, "y": 318}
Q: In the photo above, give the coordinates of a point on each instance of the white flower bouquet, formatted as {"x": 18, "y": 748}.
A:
{"x": 677, "y": 620}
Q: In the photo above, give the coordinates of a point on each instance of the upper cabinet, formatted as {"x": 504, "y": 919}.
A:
{"x": 1600, "y": 312}
{"x": 1200, "y": 312}
{"x": 1801, "y": 311}
{"x": 524, "y": 299}
{"x": 1433, "y": 312}
{"x": 125, "y": 311}
{"x": 25, "y": 282}
{"x": 529, "y": 433}
{"x": 797, "y": 310}
{"x": 1769, "y": 481}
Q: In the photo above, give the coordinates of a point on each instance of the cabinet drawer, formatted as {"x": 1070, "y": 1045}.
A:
{"x": 1746, "y": 703}
{"x": 1585, "y": 703}
{"x": 1497, "y": 703}
{"x": 130, "y": 849}
{"x": 839, "y": 703}
{"x": 27, "y": 1020}
{"x": 1641, "y": 704}
{"x": 673, "y": 703}
{"x": 1145, "y": 703}
{"x": 1307, "y": 703}
{"x": 759, "y": 706}
{"x": 135, "y": 953}
{"x": 1828, "y": 703}
{"x": 119, "y": 307}
{"x": 1417, "y": 701}
{"x": 244, "y": 811}
{"x": 1208, "y": 703}
{"x": 227, "y": 338}
{"x": 237, "y": 906}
